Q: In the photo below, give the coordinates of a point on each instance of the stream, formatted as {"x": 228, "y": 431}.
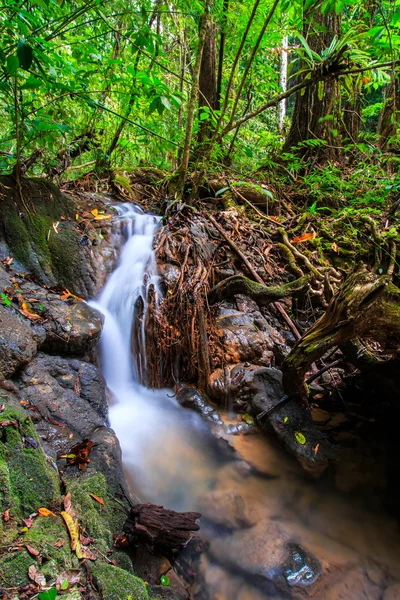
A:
{"x": 271, "y": 531}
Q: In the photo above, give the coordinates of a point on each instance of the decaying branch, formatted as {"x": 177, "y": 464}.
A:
{"x": 365, "y": 306}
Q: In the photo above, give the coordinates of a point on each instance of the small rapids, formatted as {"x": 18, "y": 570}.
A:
{"x": 271, "y": 532}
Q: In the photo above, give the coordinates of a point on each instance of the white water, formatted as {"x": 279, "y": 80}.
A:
{"x": 161, "y": 442}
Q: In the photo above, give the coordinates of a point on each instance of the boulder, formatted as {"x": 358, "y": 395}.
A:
{"x": 18, "y": 342}
{"x": 191, "y": 398}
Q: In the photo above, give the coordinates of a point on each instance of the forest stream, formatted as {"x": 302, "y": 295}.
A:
{"x": 267, "y": 526}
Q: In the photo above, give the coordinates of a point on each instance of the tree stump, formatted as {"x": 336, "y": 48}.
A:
{"x": 366, "y": 306}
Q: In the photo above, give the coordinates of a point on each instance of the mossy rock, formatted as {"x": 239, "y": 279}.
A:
{"x": 114, "y": 583}
{"x": 28, "y": 480}
{"x": 100, "y": 521}
{"x": 31, "y": 238}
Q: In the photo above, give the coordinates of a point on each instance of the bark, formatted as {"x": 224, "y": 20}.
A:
{"x": 283, "y": 83}
{"x": 366, "y": 306}
{"x": 388, "y": 122}
{"x": 194, "y": 94}
{"x": 221, "y": 52}
{"x": 262, "y": 294}
{"x": 208, "y": 79}
{"x": 317, "y": 101}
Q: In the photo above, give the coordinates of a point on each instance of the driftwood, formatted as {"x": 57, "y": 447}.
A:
{"x": 366, "y": 306}
{"x": 162, "y": 530}
{"x": 262, "y": 294}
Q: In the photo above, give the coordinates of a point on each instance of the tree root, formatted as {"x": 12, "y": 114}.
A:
{"x": 262, "y": 294}
{"x": 366, "y": 306}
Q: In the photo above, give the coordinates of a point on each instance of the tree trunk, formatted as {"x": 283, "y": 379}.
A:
{"x": 319, "y": 100}
{"x": 208, "y": 80}
{"x": 388, "y": 122}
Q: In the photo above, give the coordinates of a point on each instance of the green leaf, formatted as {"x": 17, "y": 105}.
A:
{"x": 5, "y": 299}
{"x": 12, "y": 64}
{"x": 48, "y": 594}
{"x": 25, "y": 54}
{"x": 300, "y": 438}
{"x": 165, "y": 102}
{"x": 220, "y": 192}
{"x": 64, "y": 585}
{"x": 164, "y": 580}
{"x": 31, "y": 83}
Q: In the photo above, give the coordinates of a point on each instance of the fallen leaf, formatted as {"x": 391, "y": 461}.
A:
{"x": 59, "y": 543}
{"x": 97, "y": 498}
{"x": 67, "y": 579}
{"x": 73, "y": 530}
{"x": 6, "y": 515}
{"x": 67, "y": 294}
{"x": 56, "y": 226}
{"x": 300, "y": 437}
{"x": 94, "y": 212}
{"x": 78, "y": 455}
{"x": 316, "y": 449}
{"x": 248, "y": 419}
{"x": 335, "y": 247}
{"x": 36, "y": 576}
{"x": 68, "y": 505}
{"x": 72, "y": 526}
{"x": 304, "y": 237}
{"x": 32, "y": 551}
{"x": 45, "y": 512}
{"x": 48, "y": 594}
{"x": 7, "y": 423}
{"x": 2, "y": 408}
{"x": 102, "y": 217}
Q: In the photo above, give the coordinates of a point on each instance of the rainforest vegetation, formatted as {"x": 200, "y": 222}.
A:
{"x": 259, "y": 143}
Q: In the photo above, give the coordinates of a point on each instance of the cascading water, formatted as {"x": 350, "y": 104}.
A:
{"x": 160, "y": 441}
{"x": 171, "y": 458}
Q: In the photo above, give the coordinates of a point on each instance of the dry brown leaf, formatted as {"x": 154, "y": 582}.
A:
{"x": 335, "y": 247}
{"x": 45, "y": 512}
{"x": 28, "y": 522}
{"x": 36, "y": 576}
{"x": 97, "y": 498}
{"x": 7, "y": 422}
{"x": 59, "y": 543}
{"x": 68, "y": 505}
{"x": 72, "y": 576}
{"x": 316, "y": 449}
{"x": 32, "y": 551}
{"x": 6, "y": 515}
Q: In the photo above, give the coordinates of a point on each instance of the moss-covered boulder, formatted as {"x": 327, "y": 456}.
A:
{"x": 116, "y": 584}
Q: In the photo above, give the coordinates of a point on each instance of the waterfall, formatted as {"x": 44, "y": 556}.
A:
{"x": 162, "y": 444}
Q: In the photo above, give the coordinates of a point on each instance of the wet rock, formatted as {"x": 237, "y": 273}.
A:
{"x": 227, "y": 508}
{"x": 319, "y": 416}
{"x": 244, "y": 340}
{"x": 353, "y": 584}
{"x": 392, "y": 592}
{"x": 18, "y": 343}
{"x": 245, "y": 384}
{"x": 266, "y": 552}
{"x": 191, "y": 398}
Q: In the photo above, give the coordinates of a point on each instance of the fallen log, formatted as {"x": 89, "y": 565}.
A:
{"x": 262, "y": 294}
{"x": 366, "y": 306}
{"x": 160, "y": 529}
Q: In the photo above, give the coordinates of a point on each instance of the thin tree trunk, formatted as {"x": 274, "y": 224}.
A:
{"x": 194, "y": 93}
{"x": 208, "y": 80}
{"x": 221, "y": 52}
{"x": 283, "y": 82}
{"x": 319, "y": 101}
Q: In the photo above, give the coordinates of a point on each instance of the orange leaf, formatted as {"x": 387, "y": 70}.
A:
{"x": 304, "y": 237}
{"x": 102, "y": 217}
{"x": 94, "y": 212}
{"x": 45, "y": 512}
{"x": 316, "y": 449}
{"x": 100, "y": 500}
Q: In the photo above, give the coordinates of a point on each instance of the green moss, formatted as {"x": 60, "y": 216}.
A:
{"x": 29, "y": 480}
{"x": 14, "y": 568}
{"x": 43, "y": 535}
{"x": 116, "y": 584}
{"x": 63, "y": 248}
{"x": 101, "y": 522}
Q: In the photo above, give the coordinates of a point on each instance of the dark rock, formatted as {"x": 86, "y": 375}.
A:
{"x": 193, "y": 399}
{"x": 17, "y": 343}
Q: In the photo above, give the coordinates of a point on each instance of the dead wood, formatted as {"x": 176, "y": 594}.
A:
{"x": 262, "y": 294}
{"x": 366, "y": 306}
{"x": 160, "y": 529}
